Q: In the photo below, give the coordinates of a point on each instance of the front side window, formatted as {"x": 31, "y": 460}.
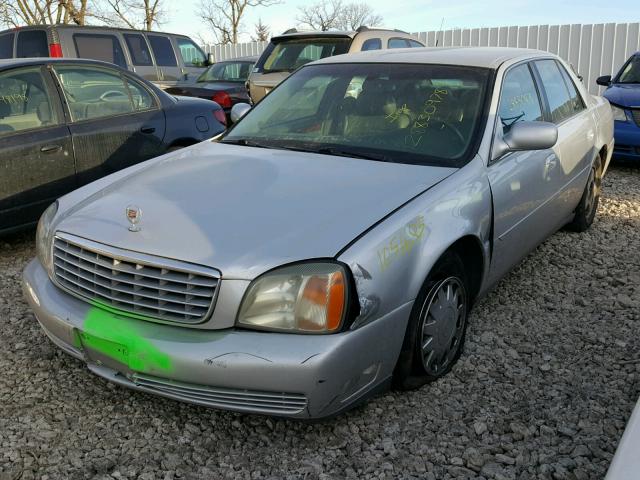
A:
{"x": 414, "y": 44}
{"x": 163, "y": 51}
{"x": 140, "y": 55}
{"x": 24, "y": 101}
{"x": 519, "y": 101}
{"x": 99, "y": 47}
{"x": 423, "y": 114}
{"x": 191, "y": 54}
{"x": 290, "y": 54}
{"x": 577, "y": 105}
{"x": 6, "y": 45}
{"x": 631, "y": 71}
{"x": 226, "y": 72}
{"x": 32, "y": 43}
{"x": 556, "y": 90}
{"x": 372, "y": 44}
{"x": 95, "y": 93}
{"x": 397, "y": 43}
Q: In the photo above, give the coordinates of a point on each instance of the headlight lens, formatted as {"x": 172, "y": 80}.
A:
{"x": 619, "y": 114}
{"x": 43, "y": 236}
{"x": 306, "y": 297}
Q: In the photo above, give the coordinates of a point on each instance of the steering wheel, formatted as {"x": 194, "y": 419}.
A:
{"x": 454, "y": 129}
{"x": 109, "y": 94}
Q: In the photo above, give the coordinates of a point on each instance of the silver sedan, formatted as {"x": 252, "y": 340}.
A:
{"x": 334, "y": 241}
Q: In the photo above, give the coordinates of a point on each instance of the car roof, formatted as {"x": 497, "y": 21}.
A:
{"x": 58, "y": 26}
{"x": 488, "y": 57}
{"x": 334, "y": 33}
{"x": 22, "y": 62}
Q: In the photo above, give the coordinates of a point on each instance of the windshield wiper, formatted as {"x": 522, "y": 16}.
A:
{"x": 345, "y": 152}
{"x": 246, "y": 143}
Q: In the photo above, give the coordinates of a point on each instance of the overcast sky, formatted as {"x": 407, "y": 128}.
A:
{"x": 421, "y": 15}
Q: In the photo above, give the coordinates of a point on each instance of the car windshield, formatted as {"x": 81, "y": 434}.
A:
{"x": 423, "y": 114}
{"x": 226, "y": 72}
{"x": 288, "y": 55}
{"x": 631, "y": 71}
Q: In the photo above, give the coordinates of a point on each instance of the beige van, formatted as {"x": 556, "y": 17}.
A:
{"x": 292, "y": 49}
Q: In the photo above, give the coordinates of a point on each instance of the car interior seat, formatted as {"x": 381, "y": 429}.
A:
{"x": 5, "y": 111}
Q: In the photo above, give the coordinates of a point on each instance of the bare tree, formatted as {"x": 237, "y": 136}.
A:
{"x": 262, "y": 33}
{"x": 328, "y": 14}
{"x": 354, "y": 15}
{"x": 136, "y": 14}
{"x": 224, "y": 17}
{"x": 39, "y": 12}
{"x": 322, "y": 15}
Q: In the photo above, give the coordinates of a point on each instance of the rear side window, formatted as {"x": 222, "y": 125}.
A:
{"x": 138, "y": 49}
{"x": 32, "y": 43}
{"x": 577, "y": 105}
{"x": 99, "y": 92}
{"x": 24, "y": 102}
{"x": 163, "y": 51}
{"x": 519, "y": 101}
{"x": 6, "y": 45}
{"x": 372, "y": 44}
{"x": 556, "y": 91}
{"x": 397, "y": 43}
{"x": 191, "y": 54}
{"x": 99, "y": 47}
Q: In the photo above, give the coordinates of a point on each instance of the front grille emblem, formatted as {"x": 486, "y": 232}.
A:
{"x": 134, "y": 215}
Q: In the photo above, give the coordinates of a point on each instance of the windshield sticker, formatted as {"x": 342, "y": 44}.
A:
{"x": 13, "y": 98}
{"x": 420, "y": 125}
{"x": 402, "y": 242}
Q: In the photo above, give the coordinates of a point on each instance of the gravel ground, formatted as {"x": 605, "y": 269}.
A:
{"x": 548, "y": 379}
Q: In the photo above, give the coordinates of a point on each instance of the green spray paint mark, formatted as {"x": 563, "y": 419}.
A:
{"x": 120, "y": 339}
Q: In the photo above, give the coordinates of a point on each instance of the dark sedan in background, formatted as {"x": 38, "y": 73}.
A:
{"x": 623, "y": 92}
{"x": 223, "y": 82}
{"x": 65, "y": 123}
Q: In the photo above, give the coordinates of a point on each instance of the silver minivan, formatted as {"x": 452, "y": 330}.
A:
{"x": 162, "y": 58}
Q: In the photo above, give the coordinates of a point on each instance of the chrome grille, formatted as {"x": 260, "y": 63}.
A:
{"x": 636, "y": 116}
{"x": 247, "y": 400}
{"x": 147, "y": 289}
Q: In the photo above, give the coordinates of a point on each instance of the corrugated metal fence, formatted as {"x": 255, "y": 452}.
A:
{"x": 593, "y": 50}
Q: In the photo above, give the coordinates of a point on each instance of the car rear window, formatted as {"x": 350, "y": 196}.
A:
{"x": 6, "y": 45}
{"x": 99, "y": 47}
{"x": 32, "y": 43}
{"x": 290, "y": 54}
{"x": 163, "y": 51}
{"x": 138, "y": 49}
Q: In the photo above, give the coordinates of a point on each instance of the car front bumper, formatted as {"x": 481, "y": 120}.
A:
{"x": 299, "y": 376}
{"x": 627, "y": 135}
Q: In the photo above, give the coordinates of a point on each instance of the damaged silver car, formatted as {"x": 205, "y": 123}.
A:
{"x": 333, "y": 241}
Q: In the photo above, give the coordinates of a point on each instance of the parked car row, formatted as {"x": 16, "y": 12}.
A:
{"x": 333, "y": 241}
{"x": 65, "y": 123}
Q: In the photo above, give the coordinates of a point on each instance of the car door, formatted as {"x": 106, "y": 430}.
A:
{"x": 576, "y": 134}
{"x": 115, "y": 120}
{"x": 36, "y": 154}
{"x": 166, "y": 61}
{"x": 141, "y": 59}
{"x": 522, "y": 183}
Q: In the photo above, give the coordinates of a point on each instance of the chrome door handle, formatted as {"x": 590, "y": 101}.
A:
{"x": 51, "y": 148}
{"x": 148, "y": 130}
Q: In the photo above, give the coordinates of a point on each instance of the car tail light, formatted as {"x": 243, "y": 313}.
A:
{"x": 55, "y": 50}
{"x": 220, "y": 116}
{"x": 222, "y": 98}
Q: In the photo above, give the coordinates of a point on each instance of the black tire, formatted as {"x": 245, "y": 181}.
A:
{"x": 588, "y": 206}
{"x": 413, "y": 370}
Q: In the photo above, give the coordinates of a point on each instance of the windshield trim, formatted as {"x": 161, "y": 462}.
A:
{"x": 476, "y": 136}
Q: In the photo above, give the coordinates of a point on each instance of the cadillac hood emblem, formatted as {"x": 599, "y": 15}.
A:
{"x": 134, "y": 215}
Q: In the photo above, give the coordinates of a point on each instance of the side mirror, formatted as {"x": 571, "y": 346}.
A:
{"x": 210, "y": 59}
{"x": 604, "y": 81}
{"x": 238, "y": 111}
{"x": 527, "y": 136}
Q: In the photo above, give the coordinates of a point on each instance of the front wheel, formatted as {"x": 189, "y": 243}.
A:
{"x": 436, "y": 331}
{"x": 588, "y": 206}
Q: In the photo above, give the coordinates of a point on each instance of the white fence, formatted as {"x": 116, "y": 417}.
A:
{"x": 593, "y": 50}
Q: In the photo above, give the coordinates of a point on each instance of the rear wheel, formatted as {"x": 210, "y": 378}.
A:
{"x": 588, "y": 206}
{"x": 436, "y": 331}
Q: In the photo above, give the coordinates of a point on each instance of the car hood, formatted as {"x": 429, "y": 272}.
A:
{"x": 245, "y": 210}
{"x": 623, "y": 95}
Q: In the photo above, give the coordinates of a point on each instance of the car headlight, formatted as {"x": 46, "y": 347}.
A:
{"x": 304, "y": 298}
{"x": 43, "y": 236}
{"x": 619, "y": 114}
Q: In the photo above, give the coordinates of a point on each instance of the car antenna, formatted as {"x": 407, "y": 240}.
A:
{"x": 439, "y": 31}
